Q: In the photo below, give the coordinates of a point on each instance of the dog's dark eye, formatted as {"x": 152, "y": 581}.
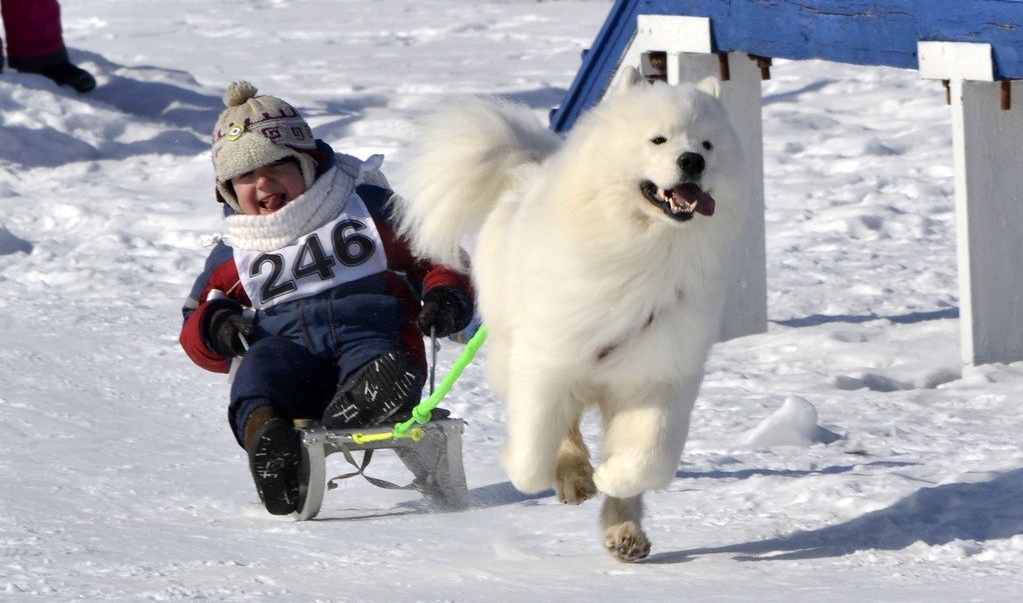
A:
{"x": 707, "y": 145}
{"x": 658, "y": 140}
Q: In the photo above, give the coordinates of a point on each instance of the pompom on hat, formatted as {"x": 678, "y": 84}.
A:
{"x": 254, "y": 131}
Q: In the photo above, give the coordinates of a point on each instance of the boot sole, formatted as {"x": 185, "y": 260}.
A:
{"x": 276, "y": 463}
{"x": 383, "y": 387}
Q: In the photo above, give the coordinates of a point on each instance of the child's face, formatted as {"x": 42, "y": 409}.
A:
{"x": 266, "y": 189}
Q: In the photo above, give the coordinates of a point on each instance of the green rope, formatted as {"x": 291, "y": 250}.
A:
{"x": 423, "y": 411}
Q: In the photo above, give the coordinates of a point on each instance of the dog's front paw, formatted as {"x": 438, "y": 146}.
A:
{"x": 627, "y": 542}
{"x": 617, "y": 477}
{"x": 625, "y": 475}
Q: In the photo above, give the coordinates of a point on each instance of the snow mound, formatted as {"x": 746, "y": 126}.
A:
{"x": 794, "y": 424}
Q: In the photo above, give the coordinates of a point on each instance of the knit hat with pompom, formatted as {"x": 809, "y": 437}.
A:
{"x": 255, "y": 131}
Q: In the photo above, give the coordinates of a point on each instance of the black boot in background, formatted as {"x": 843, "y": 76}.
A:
{"x": 67, "y": 74}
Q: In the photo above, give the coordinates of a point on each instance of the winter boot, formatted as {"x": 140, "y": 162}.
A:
{"x": 67, "y": 74}
{"x": 384, "y": 386}
{"x": 275, "y": 458}
{"x": 63, "y": 74}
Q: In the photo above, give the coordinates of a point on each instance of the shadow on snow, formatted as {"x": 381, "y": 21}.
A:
{"x": 910, "y": 318}
{"x": 935, "y": 516}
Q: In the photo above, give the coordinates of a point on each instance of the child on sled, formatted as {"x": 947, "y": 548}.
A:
{"x": 311, "y": 286}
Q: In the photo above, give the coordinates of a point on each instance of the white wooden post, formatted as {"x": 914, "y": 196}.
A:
{"x": 987, "y": 140}
{"x": 686, "y": 41}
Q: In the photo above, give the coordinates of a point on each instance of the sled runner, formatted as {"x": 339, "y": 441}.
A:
{"x": 432, "y": 452}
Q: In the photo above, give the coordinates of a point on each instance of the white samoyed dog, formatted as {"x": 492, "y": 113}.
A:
{"x": 600, "y": 263}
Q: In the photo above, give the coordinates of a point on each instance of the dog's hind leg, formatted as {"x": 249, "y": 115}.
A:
{"x": 573, "y": 475}
{"x": 621, "y": 520}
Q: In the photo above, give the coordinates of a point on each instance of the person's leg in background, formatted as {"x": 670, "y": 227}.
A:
{"x": 35, "y": 43}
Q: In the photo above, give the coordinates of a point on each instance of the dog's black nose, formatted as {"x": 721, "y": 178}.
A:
{"x": 692, "y": 164}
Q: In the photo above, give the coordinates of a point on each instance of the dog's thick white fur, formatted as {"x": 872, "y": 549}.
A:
{"x": 598, "y": 287}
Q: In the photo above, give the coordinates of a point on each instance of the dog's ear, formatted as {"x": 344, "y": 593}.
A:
{"x": 629, "y": 78}
{"x": 711, "y": 85}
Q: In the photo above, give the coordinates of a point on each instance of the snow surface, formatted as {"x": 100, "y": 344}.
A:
{"x": 844, "y": 455}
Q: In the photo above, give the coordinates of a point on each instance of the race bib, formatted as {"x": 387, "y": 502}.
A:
{"x": 343, "y": 250}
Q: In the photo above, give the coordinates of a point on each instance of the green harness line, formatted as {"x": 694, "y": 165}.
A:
{"x": 423, "y": 411}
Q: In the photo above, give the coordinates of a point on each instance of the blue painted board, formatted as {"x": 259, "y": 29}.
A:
{"x": 861, "y": 32}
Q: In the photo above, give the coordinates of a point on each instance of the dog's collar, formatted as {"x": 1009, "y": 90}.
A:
{"x": 608, "y": 349}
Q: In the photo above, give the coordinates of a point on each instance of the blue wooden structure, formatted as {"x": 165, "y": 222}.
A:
{"x": 860, "y": 32}
{"x": 974, "y": 46}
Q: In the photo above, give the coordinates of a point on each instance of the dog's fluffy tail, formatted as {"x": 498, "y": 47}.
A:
{"x": 462, "y": 159}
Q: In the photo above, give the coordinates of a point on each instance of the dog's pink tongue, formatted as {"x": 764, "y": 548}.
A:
{"x": 694, "y": 194}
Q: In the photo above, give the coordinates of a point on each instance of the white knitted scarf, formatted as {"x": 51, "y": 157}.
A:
{"x": 323, "y": 201}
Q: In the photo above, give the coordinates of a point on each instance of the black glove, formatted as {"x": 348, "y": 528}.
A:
{"x": 226, "y": 324}
{"x": 443, "y": 311}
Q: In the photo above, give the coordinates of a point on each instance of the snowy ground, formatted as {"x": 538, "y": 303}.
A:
{"x": 120, "y": 481}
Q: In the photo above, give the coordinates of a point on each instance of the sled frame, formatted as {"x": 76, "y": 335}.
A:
{"x": 434, "y": 458}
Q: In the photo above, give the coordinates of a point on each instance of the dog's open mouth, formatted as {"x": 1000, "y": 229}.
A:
{"x": 681, "y": 202}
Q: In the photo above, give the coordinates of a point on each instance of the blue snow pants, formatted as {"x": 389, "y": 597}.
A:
{"x": 285, "y": 375}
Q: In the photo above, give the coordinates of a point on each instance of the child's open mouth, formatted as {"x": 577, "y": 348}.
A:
{"x": 272, "y": 203}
